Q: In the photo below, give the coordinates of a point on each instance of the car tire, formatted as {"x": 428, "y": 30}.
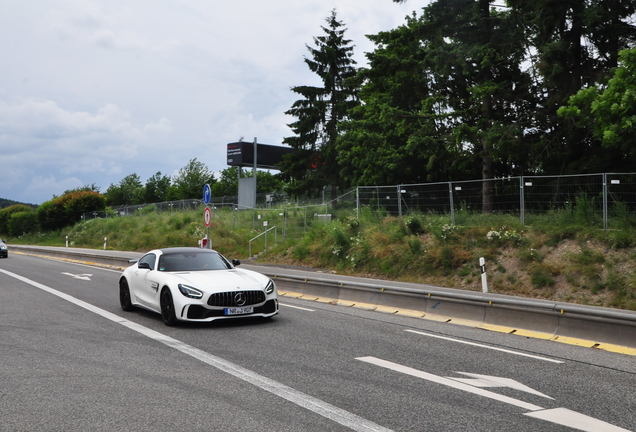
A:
{"x": 124, "y": 296}
{"x": 167, "y": 308}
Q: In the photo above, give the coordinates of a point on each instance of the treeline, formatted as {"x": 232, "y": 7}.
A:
{"x": 188, "y": 183}
{"x": 471, "y": 89}
{"x": 67, "y": 209}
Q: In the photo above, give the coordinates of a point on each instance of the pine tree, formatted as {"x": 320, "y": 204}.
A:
{"x": 320, "y": 112}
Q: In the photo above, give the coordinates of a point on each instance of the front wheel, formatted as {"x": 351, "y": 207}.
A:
{"x": 167, "y": 308}
{"x": 124, "y": 296}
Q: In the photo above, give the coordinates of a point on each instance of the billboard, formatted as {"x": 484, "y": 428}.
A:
{"x": 241, "y": 154}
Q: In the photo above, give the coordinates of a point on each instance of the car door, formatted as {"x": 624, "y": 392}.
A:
{"x": 145, "y": 284}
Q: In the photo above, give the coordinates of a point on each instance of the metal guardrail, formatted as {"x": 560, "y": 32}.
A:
{"x": 563, "y": 320}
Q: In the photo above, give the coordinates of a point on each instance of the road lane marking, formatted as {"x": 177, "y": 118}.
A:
{"x": 338, "y": 415}
{"x": 84, "y": 276}
{"x": 296, "y": 307}
{"x": 561, "y": 416}
{"x": 486, "y": 346}
{"x": 565, "y": 417}
{"x": 449, "y": 382}
{"x": 478, "y": 380}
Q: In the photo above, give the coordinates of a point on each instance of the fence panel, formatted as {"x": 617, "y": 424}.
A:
{"x": 381, "y": 199}
{"x": 426, "y": 198}
{"x": 468, "y": 196}
{"x": 581, "y": 196}
{"x": 621, "y": 198}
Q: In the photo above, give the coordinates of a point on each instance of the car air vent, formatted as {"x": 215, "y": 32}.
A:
{"x": 229, "y": 299}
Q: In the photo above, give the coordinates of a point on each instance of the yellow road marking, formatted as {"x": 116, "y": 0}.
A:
{"x": 419, "y": 314}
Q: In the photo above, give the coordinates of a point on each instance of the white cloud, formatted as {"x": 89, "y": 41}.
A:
{"x": 95, "y": 91}
{"x": 40, "y": 135}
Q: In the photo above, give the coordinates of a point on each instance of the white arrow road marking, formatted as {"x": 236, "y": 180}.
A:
{"x": 83, "y": 276}
{"x": 491, "y": 381}
{"x": 449, "y": 382}
{"x": 561, "y": 416}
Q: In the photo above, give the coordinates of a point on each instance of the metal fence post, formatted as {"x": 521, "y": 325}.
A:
{"x": 399, "y": 197}
{"x": 452, "y": 205}
{"x": 358, "y": 202}
{"x": 522, "y": 202}
{"x": 605, "y": 216}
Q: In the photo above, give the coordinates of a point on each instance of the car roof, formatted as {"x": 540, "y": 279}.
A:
{"x": 186, "y": 250}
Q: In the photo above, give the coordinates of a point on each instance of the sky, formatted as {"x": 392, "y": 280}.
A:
{"x": 93, "y": 91}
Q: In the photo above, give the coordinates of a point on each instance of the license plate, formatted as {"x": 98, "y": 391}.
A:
{"x": 239, "y": 310}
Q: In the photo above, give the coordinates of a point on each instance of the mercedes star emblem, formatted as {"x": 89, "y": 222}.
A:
{"x": 240, "y": 299}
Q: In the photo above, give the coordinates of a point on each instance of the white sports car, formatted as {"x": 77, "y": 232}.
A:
{"x": 192, "y": 284}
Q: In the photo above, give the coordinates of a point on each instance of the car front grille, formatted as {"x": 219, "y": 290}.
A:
{"x": 198, "y": 312}
{"x": 228, "y": 299}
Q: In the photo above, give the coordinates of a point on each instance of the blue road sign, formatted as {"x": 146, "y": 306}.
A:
{"x": 207, "y": 194}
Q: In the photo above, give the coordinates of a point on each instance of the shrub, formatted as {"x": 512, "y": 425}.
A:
{"x": 68, "y": 209}
{"x": 5, "y": 215}
{"x": 414, "y": 224}
{"x": 22, "y": 223}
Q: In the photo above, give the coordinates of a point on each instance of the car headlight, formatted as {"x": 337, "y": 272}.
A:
{"x": 269, "y": 288}
{"x": 190, "y": 292}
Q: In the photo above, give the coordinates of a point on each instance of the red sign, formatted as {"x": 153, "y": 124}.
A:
{"x": 207, "y": 216}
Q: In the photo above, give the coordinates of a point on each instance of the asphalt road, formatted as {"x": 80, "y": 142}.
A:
{"x": 72, "y": 360}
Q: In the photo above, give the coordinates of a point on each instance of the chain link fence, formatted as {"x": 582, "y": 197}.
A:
{"x": 598, "y": 198}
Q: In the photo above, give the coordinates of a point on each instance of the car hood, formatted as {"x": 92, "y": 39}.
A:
{"x": 222, "y": 280}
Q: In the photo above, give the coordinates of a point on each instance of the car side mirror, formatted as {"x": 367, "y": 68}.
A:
{"x": 144, "y": 265}
{"x": 236, "y": 262}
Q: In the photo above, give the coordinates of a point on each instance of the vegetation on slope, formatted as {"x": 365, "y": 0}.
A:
{"x": 560, "y": 257}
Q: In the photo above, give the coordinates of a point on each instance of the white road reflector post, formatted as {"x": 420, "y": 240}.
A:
{"x": 105, "y": 239}
{"x": 66, "y": 241}
{"x": 484, "y": 281}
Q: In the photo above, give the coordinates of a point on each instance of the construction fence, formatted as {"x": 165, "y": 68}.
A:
{"x": 599, "y": 198}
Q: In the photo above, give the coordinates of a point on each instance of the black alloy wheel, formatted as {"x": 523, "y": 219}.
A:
{"x": 167, "y": 308}
{"x": 124, "y": 296}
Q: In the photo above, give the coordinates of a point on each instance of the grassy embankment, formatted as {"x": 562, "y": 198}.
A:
{"x": 562, "y": 256}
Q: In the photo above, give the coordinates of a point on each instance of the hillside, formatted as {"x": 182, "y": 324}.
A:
{"x": 4, "y": 203}
{"x": 554, "y": 259}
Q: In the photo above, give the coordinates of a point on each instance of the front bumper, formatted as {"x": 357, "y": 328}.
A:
{"x": 197, "y": 312}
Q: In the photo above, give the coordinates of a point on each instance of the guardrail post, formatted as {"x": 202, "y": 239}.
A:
{"x": 484, "y": 281}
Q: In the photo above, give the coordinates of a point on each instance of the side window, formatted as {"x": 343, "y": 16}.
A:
{"x": 150, "y": 259}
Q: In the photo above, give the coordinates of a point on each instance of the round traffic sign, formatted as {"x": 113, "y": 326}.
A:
{"x": 207, "y": 194}
{"x": 207, "y": 216}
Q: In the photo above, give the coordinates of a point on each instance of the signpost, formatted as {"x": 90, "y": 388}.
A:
{"x": 207, "y": 216}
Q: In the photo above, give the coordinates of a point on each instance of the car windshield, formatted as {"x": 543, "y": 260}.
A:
{"x": 192, "y": 261}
